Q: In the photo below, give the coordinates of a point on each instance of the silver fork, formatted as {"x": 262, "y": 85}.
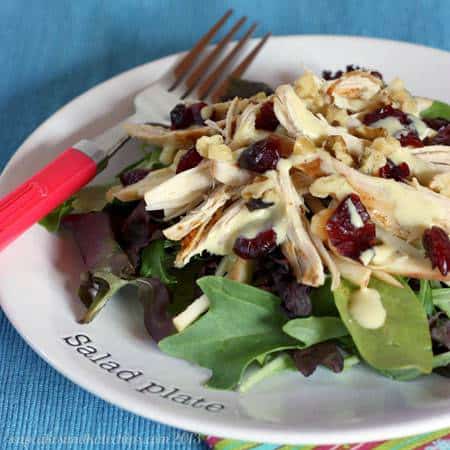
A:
{"x": 190, "y": 79}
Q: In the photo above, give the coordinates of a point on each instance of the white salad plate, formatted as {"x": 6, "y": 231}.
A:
{"x": 114, "y": 358}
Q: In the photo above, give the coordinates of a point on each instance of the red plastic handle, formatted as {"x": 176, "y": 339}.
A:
{"x": 43, "y": 192}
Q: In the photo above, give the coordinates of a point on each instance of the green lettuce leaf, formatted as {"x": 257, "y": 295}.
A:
{"x": 403, "y": 343}
{"x": 441, "y": 360}
{"x": 437, "y": 110}
{"x": 322, "y": 300}
{"x": 243, "y": 322}
{"x": 95, "y": 291}
{"x": 150, "y": 160}
{"x": 52, "y": 220}
{"x": 441, "y": 299}
{"x": 155, "y": 262}
{"x": 312, "y": 330}
{"x": 426, "y": 297}
{"x": 280, "y": 363}
{"x": 88, "y": 199}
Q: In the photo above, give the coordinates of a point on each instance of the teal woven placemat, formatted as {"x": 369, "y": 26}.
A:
{"x": 52, "y": 51}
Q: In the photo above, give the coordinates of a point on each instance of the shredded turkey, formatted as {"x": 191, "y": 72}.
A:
{"x": 334, "y": 154}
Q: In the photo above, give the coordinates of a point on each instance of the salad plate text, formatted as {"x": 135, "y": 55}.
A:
{"x": 83, "y": 345}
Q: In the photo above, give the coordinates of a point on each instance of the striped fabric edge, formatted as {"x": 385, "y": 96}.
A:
{"x": 439, "y": 440}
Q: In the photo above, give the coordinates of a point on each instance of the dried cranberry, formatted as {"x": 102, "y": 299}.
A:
{"x": 386, "y": 111}
{"x": 436, "y": 123}
{"x": 183, "y": 116}
{"x": 397, "y": 173}
{"x": 351, "y": 240}
{"x": 411, "y": 139}
{"x": 261, "y": 156}
{"x": 257, "y": 203}
{"x": 196, "y": 109}
{"x": 437, "y": 247}
{"x": 329, "y": 75}
{"x": 133, "y": 176}
{"x": 262, "y": 244}
{"x": 266, "y": 118}
{"x": 441, "y": 138}
{"x": 189, "y": 160}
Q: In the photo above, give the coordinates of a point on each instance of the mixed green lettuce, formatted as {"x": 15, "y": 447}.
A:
{"x": 248, "y": 332}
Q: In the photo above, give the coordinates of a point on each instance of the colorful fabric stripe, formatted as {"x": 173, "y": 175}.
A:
{"x": 439, "y": 440}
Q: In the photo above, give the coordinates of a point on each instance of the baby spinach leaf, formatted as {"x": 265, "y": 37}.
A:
{"x": 441, "y": 299}
{"x": 312, "y": 330}
{"x": 155, "y": 262}
{"x": 403, "y": 342}
{"x": 437, "y": 110}
{"x": 322, "y": 300}
{"x": 243, "y": 322}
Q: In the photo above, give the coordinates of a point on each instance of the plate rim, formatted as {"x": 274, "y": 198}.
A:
{"x": 253, "y": 432}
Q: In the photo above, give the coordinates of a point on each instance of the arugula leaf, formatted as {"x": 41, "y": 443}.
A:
{"x": 313, "y": 330}
{"x": 97, "y": 288}
{"x": 52, "y": 220}
{"x": 441, "y": 360}
{"x": 351, "y": 361}
{"x": 425, "y": 297}
{"x": 243, "y": 322}
{"x": 403, "y": 342}
{"x": 437, "y": 110}
{"x": 441, "y": 298}
{"x": 155, "y": 262}
{"x": 280, "y": 363}
{"x": 95, "y": 291}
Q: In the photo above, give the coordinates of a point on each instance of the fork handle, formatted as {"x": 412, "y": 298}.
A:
{"x": 43, "y": 192}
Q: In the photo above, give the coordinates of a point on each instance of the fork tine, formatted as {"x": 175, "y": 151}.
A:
{"x": 208, "y": 60}
{"x": 240, "y": 69}
{"x": 206, "y": 86}
{"x": 185, "y": 64}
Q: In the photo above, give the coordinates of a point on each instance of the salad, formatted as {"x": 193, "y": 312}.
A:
{"x": 282, "y": 230}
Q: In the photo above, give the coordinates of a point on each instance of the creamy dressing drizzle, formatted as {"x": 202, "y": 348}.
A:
{"x": 395, "y": 128}
{"x": 366, "y": 308}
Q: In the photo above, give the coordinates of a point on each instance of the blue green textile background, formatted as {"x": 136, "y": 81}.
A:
{"x": 52, "y": 51}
